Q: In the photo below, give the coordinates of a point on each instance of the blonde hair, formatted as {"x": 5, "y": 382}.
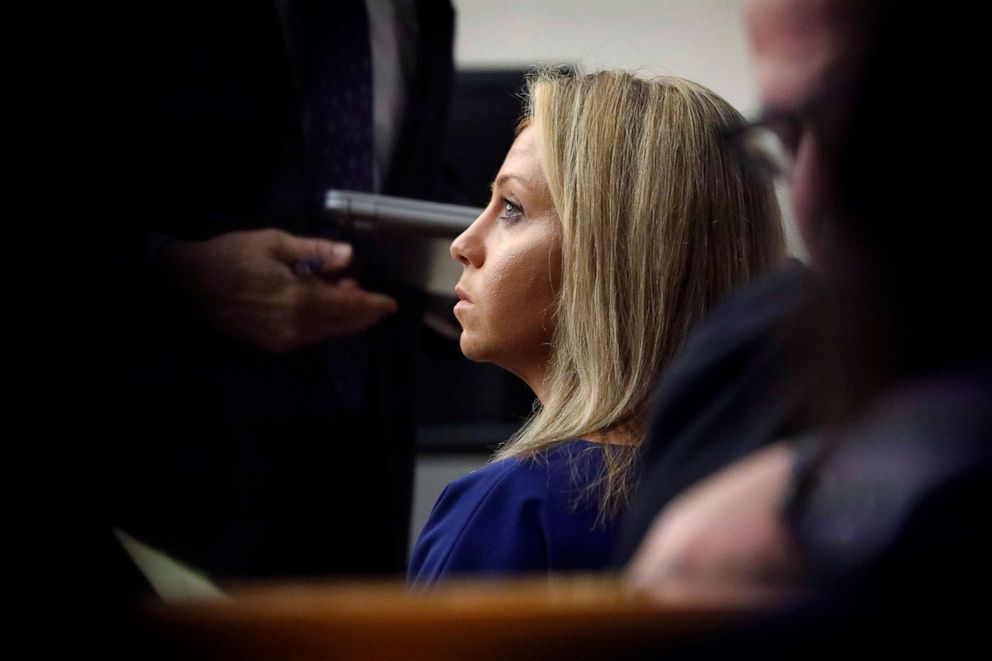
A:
{"x": 660, "y": 221}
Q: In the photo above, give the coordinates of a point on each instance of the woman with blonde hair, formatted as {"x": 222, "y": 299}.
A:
{"x": 617, "y": 220}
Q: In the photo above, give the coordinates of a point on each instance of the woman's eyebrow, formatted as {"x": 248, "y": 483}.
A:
{"x": 503, "y": 178}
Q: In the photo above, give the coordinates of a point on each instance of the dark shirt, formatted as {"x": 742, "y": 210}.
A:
{"x": 889, "y": 515}
{"x": 900, "y": 485}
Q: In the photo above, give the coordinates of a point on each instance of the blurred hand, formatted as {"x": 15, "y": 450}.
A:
{"x": 728, "y": 528}
{"x": 250, "y": 286}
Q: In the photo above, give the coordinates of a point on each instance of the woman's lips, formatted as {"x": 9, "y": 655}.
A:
{"x": 463, "y": 299}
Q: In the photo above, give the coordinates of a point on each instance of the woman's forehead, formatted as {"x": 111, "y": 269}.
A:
{"x": 523, "y": 160}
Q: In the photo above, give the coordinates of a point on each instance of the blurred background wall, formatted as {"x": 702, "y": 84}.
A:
{"x": 698, "y": 39}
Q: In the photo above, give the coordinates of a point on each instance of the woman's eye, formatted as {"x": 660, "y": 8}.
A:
{"x": 511, "y": 212}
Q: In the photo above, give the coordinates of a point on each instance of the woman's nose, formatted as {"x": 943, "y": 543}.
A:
{"x": 468, "y": 247}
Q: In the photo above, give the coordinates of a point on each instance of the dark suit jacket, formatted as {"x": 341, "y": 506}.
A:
{"x": 237, "y": 460}
{"x": 728, "y": 392}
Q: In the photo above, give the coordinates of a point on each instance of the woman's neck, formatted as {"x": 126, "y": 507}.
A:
{"x": 611, "y": 437}
{"x": 536, "y": 378}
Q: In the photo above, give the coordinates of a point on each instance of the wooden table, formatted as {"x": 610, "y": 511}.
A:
{"x": 576, "y": 616}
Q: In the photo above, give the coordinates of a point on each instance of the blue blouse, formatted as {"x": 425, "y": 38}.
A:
{"x": 519, "y": 515}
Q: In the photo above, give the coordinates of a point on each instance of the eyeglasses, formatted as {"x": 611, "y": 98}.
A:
{"x": 770, "y": 142}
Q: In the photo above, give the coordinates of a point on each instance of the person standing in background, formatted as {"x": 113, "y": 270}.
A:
{"x": 258, "y": 418}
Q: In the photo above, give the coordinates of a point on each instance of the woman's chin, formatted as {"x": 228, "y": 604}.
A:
{"x": 473, "y": 349}
{"x": 468, "y": 347}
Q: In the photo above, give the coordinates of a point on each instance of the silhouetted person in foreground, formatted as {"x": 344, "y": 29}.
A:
{"x": 879, "y": 501}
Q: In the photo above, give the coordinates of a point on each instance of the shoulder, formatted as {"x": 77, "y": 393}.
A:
{"x": 504, "y": 477}
{"x": 513, "y": 515}
{"x": 752, "y": 316}
{"x": 487, "y": 521}
{"x": 514, "y": 482}
{"x": 731, "y": 365}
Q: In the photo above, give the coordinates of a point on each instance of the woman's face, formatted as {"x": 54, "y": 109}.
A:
{"x": 511, "y": 259}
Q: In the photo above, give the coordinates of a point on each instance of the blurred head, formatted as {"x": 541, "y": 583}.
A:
{"x": 642, "y": 220}
{"x": 884, "y": 206}
{"x": 806, "y": 55}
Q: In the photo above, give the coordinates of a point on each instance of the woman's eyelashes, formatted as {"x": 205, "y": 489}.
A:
{"x": 511, "y": 211}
